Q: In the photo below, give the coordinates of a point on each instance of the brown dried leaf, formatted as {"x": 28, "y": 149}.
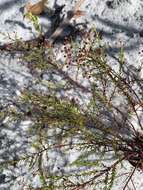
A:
{"x": 79, "y": 13}
{"x": 37, "y": 8}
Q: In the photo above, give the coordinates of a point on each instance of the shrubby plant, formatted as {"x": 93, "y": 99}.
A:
{"x": 100, "y": 129}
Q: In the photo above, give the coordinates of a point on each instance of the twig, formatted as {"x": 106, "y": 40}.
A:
{"x": 102, "y": 172}
{"x": 133, "y": 184}
{"x": 130, "y": 177}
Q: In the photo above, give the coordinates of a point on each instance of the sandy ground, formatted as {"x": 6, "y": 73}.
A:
{"x": 120, "y": 22}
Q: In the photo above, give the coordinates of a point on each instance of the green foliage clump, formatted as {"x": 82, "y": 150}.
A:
{"x": 96, "y": 129}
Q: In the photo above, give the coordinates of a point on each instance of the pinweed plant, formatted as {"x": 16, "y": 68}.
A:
{"x": 88, "y": 107}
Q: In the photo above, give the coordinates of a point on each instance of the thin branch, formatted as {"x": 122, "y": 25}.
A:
{"x": 130, "y": 177}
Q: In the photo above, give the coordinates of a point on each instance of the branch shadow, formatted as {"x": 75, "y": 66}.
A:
{"x": 16, "y": 22}
{"x": 115, "y": 29}
{"x": 9, "y": 4}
